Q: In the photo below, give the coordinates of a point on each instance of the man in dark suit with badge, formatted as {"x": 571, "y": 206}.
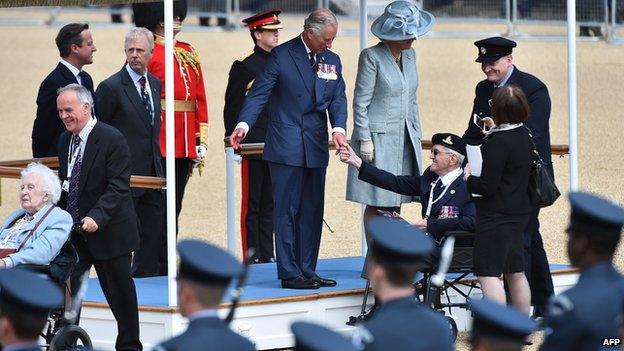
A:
{"x": 25, "y": 302}
{"x": 76, "y": 48}
{"x": 497, "y": 327}
{"x": 204, "y": 275}
{"x": 398, "y": 252}
{"x": 589, "y": 313}
{"x": 257, "y": 200}
{"x": 303, "y": 82}
{"x": 130, "y": 102}
{"x": 495, "y": 56}
{"x": 95, "y": 172}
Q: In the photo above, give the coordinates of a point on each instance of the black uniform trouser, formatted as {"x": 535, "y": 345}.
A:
{"x": 259, "y": 219}
{"x": 537, "y": 269}
{"x": 150, "y": 210}
{"x": 118, "y": 288}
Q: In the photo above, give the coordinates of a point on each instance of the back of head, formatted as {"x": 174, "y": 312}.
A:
{"x": 69, "y": 35}
{"x": 509, "y": 105}
{"x": 318, "y": 20}
{"x": 496, "y": 327}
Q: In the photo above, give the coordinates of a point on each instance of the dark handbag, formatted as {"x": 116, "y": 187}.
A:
{"x": 4, "y": 252}
{"x": 541, "y": 181}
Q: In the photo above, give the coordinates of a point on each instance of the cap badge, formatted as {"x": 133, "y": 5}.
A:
{"x": 447, "y": 140}
{"x": 482, "y": 50}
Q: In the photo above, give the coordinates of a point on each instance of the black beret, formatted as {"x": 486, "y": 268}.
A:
{"x": 28, "y": 292}
{"x": 149, "y": 14}
{"x": 450, "y": 141}
{"x": 491, "y": 49}
{"x": 313, "y": 337}
{"x": 396, "y": 241}
{"x": 493, "y": 320}
{"x": 206, "y": 264}
{"x": 593, "y": 215}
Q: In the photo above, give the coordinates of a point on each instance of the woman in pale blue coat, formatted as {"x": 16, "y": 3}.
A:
{"x": 40, "y": 190}
{"x": 386, "y": 122}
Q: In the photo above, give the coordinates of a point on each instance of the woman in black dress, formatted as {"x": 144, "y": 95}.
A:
{"x": 505, "y": 200}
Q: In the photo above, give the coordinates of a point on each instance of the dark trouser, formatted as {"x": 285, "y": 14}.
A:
{"x": 257, "y": 213}
{"x": 298, "y": 201}
{"x": 118, "y": 288}
{"x": 150, "y": 212}
{"x": 183, "y": 168}
{"x": 537, "y": 269}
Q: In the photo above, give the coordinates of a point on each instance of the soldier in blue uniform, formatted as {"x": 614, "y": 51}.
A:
{"x": 398, "y": 251}
{"x": 25, "y": 302}
{"x": 204, "y": 274}
{"x": 313, "y": 337}
{"x": 584, "y": 316}
{"x": 495, "y": 56}
{"x": 497, "y": 327}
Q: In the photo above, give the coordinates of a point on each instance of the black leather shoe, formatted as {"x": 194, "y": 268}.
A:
{"x": 299, "y": 282}
{"x": 323, "y": 282}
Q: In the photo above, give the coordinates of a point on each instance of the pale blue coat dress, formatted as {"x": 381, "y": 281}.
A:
{"x": 385, "y": 110}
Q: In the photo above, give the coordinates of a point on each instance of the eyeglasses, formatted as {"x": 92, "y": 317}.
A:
{"x": 436, "y": 152}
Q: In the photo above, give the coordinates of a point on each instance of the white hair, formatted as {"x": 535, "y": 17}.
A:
{"x": 135, "y": 33}
{"x": 460, "y": 157}
{"x": 50, "y": 182}
{"x": 84, "y": 95}
{"x": 318, "y": 20}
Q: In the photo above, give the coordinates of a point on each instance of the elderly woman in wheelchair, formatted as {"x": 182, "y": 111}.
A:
{"x": 35, "y": 233}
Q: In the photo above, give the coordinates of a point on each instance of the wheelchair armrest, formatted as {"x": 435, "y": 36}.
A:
{"x": 460, "y": 234}
{"x": 43, "y": 269}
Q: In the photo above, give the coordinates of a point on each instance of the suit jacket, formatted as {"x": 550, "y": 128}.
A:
{"x": 539, "y": 101}
{"x": 122, "y": 108}
{"x": 457, "y": 195}
{"x": 299, "y": 103}
{"x": 504, "y": 180}
{"x": 46, "y": 242}
{"x": 209, "y": 333}
{"x": 48, "y": 126}
{"x": 393, "y": 327}
{"x": 104, "y": 192}
{"x": 582, "y": 317}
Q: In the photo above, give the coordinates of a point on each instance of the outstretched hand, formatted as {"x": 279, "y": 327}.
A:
{"x": 339, "y": 140}
{"x": 347, "y": 155}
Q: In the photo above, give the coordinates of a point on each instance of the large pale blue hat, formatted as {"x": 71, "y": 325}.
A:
{"x": 402, "y": 20}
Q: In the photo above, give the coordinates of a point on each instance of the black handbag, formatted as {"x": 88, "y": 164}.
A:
{"x": 541, "y": 181}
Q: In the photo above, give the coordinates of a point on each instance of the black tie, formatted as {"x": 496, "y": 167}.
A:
{"x": 146, "y": 99}
{"x": 83, "y": 78}
{"x": 313, "y": 61}
{"x": 437, "y": 190}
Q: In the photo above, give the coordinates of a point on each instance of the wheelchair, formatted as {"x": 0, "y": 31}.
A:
{"x": 431, "y": 293}
{"x": 62, "y": 332}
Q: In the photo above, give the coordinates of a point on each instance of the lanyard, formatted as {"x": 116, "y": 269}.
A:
{"x": 433, "y": 185}
{"x": 73, "y": 154}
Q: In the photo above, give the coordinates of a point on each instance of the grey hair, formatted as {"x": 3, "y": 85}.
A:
{"x": 135, "y": 33}
{"x": 460, "y": 157}
{"x": 84, "y": 95}
{"x": 50, "y": 182}
{"x": 320, "y": 19}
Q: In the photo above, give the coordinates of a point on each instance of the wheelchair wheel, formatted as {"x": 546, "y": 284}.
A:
{"x": 70, "y": 338}
{"x": 452, "y": 327}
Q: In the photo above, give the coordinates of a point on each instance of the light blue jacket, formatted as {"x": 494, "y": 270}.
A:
{"x": 46, "y": 242}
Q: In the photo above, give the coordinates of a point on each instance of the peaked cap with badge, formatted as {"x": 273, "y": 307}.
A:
{"x": 394, "y": 241}
{"x": 494, "y": 321}
{"x": 265, "y": 20}
{"x": 594, "y": 215}
{"x": 491, "y": 49}
{"x": 205, "y": 263}
{"x": 24, "y": 291}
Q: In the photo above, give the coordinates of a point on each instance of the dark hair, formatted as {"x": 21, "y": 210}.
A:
{"x": 26, "y": 325}
{"x": 69, "y": 35}
{"x": 253, "y": 32}
{"x": 399, "y": 274}
{"x": 509, "y": 105}
{"x": 603, "y": 244}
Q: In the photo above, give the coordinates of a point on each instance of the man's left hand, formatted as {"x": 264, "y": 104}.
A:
{"x": 89, "y": 225}
{"x": 339, "y": 141}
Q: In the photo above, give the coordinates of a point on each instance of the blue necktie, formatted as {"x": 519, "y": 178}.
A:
{"x": 146, "y": 100}
{"x": 74, "y": 181}
{"x": 437, "y": 190}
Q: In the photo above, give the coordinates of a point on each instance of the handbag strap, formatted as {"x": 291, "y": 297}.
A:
{"x": 537, "y": 155}
{"x": 35, "y": 227}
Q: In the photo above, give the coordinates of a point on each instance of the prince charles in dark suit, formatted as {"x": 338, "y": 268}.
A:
{"x": 303, "y": 82}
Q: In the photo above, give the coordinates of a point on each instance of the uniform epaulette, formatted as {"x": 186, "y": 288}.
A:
{"x": 242, "y": 58}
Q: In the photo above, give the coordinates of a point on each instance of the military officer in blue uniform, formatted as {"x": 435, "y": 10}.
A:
{"x": 497, "y": 327}
{"x": 204, "y": 274}
{"x": 495, "y": 56}
{"x": 446, "y": 202}
{"x": 25, "y": 302}
{"x": 582, "y": 317}
{"x": 314, "y": 337}
{"x": 398, "y": 251}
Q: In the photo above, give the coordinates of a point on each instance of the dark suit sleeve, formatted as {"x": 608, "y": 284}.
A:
{"x": 473, "y": 133}
{"x": 465, "y": 221}
{"x": 538, "y": 122}
{"x": 406, "y": 185}
{"x": 235, "y": 95}
{"x": 562, "y": 328}
{"x": 487, "y": 184}
{"x": 118, "y": 179}
{"x": 259, "y": 94}
{"x": 338, "y": 106}
{"x": 44, "y": 127}
{"x": 106, "y": 103}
